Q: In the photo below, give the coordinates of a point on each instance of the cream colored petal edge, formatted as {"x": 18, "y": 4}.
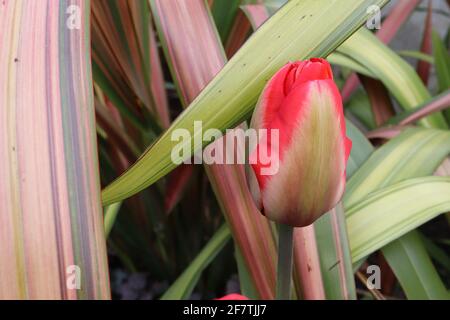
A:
{"x": 310, "y": 180}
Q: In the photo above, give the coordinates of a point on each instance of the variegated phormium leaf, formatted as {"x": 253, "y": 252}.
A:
{"x": 52, "y": 243}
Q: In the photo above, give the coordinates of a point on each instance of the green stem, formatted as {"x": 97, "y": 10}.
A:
{"x": 284, "y": 273}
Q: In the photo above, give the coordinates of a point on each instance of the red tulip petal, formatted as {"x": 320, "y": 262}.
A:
{"x": 284, "y": 81}
{"x": 292, "y": 75}
{"x": 233, "y": 296}
{"x": 314, "y": 69}
{"x": 348, "y": 147}
{"x": 271, "y": 98}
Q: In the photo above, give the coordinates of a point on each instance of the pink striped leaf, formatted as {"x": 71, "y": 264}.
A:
{"x": 52, "y": 242}
{"x": 379, "y": 98}
{"x": 126, "y": 63}
{"x": 423, "y": 67}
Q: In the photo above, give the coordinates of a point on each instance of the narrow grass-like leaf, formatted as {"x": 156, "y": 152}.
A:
{"x": 245, "y": 280}
{"x": 176, "y": 185}
{"x": 385, "y": 133}
{"x": 436, "y": 252}
{"x": 238, "y": 34}
{"x": 436, "y": 104}
{"x": 114, "y": 133}
{"x": 416, "y": 55}
{"x": 183, "y": 286}
{"x": 409, "y": 254}
{"x": 126, "y": 108}
{"x": 157, "y": 82}
{"x": 389, "y": 213}
{"x": 347, "y": 62}
{"x": 111, "y": 213}
{"x": 51, "y": 224}
{"x": 380, "y": 101}
{"x": 121, "y": 33}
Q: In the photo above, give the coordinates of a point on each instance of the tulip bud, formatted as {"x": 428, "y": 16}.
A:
{"x": 302, "y": 102}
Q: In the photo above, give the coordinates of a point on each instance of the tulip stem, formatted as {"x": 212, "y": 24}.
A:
{"x": 284, "y": 272}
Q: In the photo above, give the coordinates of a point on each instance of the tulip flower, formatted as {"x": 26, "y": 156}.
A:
{"x": 303, "y": 105}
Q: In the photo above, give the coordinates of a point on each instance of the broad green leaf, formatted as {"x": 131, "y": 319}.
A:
{"x": 110, "y": 216}
{"x": 413, "y": 268}
{"x": 230, "y": 96}
{"x": 387, "y": 214}
{"x": 347, "y": 62}
{"x": 415, "y": 152}
{"x": 435, "y": 104}
{"x": 183, "y": 286}
{"x": 417, "y": 55}
{"x": 437, "y": 253}
{"x": 396, "y": 74}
